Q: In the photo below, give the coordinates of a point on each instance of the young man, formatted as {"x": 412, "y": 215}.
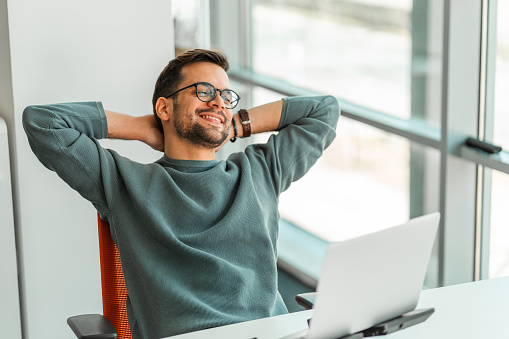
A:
{"x": 197, "y": 237}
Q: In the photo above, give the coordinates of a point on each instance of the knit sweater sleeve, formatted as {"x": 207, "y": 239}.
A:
{"x": 307, "y": 127}
{"x": 64, "y": 138}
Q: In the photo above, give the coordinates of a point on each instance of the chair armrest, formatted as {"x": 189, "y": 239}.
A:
{"x": 92, "y": 326}
{"x": 306, "y": 300}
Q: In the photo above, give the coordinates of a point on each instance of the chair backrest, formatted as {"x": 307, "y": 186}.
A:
{"x": 114, "y": 292}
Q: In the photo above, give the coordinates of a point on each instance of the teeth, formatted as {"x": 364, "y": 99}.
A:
{"x": 210, "y": 117}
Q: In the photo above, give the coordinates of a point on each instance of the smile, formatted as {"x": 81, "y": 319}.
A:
{"x": 213, "y": 119}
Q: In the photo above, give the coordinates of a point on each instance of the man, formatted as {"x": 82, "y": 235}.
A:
{"x": 197, "y": 237}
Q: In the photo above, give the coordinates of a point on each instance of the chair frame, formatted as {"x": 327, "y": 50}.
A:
{"x": 113, "y": 323}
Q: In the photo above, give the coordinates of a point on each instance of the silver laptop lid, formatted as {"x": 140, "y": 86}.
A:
{"x": 372, "y": 278}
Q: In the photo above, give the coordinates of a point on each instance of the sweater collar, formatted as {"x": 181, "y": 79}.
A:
{"x": 187, "y": 165}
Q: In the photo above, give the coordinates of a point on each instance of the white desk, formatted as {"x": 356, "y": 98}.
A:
{"x": 467, "y": 311}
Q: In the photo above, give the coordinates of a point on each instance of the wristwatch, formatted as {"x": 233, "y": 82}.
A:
{"x": 246, "y": 123}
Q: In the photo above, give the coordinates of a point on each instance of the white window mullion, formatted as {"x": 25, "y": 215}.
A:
{"x": 483, "y": 241}
{"x": 462, "y": 32}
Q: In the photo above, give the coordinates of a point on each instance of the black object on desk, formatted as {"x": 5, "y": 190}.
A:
{"x": 401, "y": 322}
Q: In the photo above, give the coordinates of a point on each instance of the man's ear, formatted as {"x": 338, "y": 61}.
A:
{"x": 164, "y": 109}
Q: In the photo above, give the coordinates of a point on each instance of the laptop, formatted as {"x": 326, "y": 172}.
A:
{"x": 372, "y": 278}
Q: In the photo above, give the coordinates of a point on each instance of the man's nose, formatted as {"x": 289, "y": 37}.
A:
{"x": 217, "y": 102}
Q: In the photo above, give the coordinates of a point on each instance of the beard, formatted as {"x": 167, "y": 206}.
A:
{"x": 194, "y": 132}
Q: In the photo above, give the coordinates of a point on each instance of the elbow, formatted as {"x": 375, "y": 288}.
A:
{"x": 333, "y": 103}
{"x": 29, "y": 115}
{"x": 332, "y": 106}
{"x": 34, "y": 118}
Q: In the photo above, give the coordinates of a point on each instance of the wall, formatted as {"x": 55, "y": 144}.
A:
{"x": 9, "y": 308}
{"x": 60, "y": 51}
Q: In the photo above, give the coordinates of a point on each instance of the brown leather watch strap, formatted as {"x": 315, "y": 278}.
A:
{"x": 246, "y": 123}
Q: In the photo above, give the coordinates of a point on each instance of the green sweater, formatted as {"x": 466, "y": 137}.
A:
{"x": 197, "y": 239}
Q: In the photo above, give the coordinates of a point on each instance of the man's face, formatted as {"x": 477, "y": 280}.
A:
{"x": 204, "y": 124}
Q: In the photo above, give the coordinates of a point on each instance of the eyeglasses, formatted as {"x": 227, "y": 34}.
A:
{"x": 207, "y": 92}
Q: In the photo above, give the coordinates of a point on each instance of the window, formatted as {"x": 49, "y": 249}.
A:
{"x": 495, "y": 228}
{"x": 186, "y": 24}
{"x": 407, "y": 74}
{"x": 501, "y": 123}
{"x": 191, "y": 24}
{"x": 499, "y": 226}
{"x": 384, "y": 57}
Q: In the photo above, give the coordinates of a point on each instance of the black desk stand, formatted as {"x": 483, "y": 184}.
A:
{"x": 387, "y": 327}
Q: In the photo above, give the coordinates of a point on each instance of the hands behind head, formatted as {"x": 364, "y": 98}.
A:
{"x": 152, "y": 134}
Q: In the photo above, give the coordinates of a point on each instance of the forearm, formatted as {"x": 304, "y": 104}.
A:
{"x": 264, "y": 118}
{"x": 122, "y": 126}
{"x": 126, "y": 127}
{"x": 276, "y": 115}
{"x": 307, "y": 127}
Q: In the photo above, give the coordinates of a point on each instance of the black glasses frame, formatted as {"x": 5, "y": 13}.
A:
{"x": 221, "y": 91}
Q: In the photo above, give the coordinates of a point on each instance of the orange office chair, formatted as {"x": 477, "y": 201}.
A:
{"x": 113, "y": 324}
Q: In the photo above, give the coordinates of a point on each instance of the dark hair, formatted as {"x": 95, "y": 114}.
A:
{"x": 171, "y": 77}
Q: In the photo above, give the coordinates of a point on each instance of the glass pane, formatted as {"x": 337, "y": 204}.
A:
{"x": 381, "y": 55}
{"x": 501, "y": 127}
{"x": 186, "y": 24}
{"x": 364, "y": 169}
{"x": 499, "y": 230}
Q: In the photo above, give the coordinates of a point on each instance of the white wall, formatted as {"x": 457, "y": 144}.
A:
{"x": 60, "y": 51}
{"x": 9, "y": 308}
